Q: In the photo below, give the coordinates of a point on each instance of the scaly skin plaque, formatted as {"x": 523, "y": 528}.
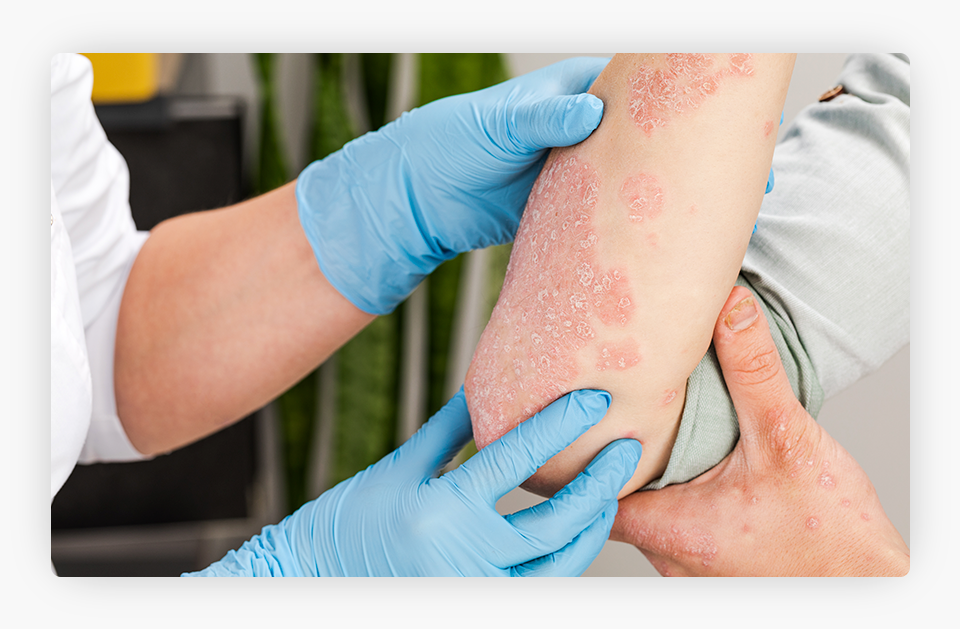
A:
{"x": 556, "y": 297}
{"x": 658, "y": 94}
{"x": 643, "y": 197}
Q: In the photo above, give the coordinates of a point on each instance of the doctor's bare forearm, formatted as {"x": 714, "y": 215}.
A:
{"x": 223, "y": 311}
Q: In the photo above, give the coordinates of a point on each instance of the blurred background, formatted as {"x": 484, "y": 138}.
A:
{"x": 200, "y": 131}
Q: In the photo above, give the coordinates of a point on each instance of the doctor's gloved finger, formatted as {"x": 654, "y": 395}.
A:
{"x": 513, "y": 458}
{"x": 574, "y": 558}
{"x": 553, "y": 523}
{"x": 437, "y": 441}
{"x": 570, "y": 76}
{"x": 557, "y": 121}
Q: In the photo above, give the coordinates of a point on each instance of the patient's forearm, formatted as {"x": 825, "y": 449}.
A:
{"x": 690, "y": 186}
{"x": 630, "y": 243}
{"x": 223, "y": 311}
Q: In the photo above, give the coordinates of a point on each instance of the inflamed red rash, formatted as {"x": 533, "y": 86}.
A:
{"x": 556, "y": 297}
{"x": 643, "y": 197}
{"x": 826, "y": 479}
{"x": 619, "y": 356}
{"x": 692, "y": 543}
{"x": 681, "y": 83}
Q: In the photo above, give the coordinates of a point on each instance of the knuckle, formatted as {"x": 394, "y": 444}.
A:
{"x": 757, "y": 366}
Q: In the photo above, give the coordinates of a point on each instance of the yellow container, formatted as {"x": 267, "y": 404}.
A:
{"x": 124, "y": 77}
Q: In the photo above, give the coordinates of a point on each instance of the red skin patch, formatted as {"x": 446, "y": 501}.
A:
{"x": 688, "y": 543}
{"x": 619, "y": 356}
{"x": 643, "y": 197}
{"x": 658, "y": 94}
{"x": 741, "y": 64}
{"x": 556, "y": 295}
{"x": 768, "y": 128}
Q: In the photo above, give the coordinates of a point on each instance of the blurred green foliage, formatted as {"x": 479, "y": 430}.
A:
{"x": 375, "y": 70}
{"x": 332, "y": 127}
{"x": 272, "y": 168}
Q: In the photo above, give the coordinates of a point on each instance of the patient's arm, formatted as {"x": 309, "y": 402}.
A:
{"x": 630, "y": 243}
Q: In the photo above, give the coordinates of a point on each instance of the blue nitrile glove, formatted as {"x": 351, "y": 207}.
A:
{"x": 396, "y": 518}
{"x": 448, "y": 177}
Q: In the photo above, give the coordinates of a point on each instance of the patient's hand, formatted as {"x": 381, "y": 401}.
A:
{"x": 789, "y": 500}
{"x": 630, "y": 242}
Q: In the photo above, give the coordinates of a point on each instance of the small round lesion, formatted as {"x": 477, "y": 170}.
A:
{"x": 668, "y": 396}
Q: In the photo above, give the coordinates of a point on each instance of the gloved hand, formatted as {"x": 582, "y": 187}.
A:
{"x": 448, "y": 177}
{"x": 395, "y": 518}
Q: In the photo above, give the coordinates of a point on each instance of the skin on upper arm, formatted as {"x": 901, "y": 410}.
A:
{"x": 627, "y": 250}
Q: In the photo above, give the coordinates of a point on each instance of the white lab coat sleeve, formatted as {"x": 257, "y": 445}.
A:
{"x": 91, "y": 185}
{"x": 106, "y": 439}
{"x": 70, "y": 389}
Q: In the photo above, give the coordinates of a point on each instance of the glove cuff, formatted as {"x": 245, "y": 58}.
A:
{"x": 363, "y": 224}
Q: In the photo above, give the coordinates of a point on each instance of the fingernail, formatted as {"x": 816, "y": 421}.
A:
{"x": 742, "y": 315}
